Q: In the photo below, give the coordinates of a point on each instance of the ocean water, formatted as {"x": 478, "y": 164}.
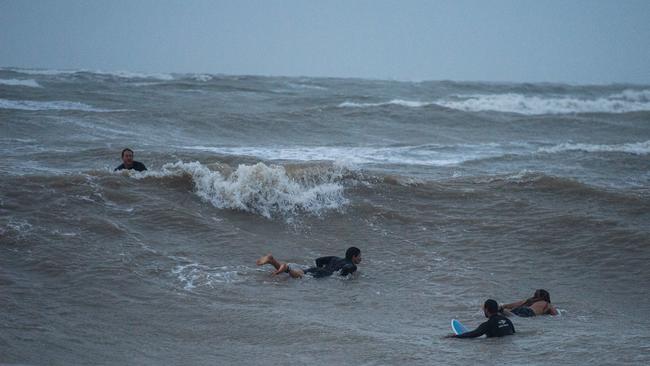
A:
{"x": 455, "y": 192}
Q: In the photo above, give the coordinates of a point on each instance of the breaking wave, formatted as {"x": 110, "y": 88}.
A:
{"x": 638, "y": 148}
{"x": 20, "y": 82}
{"x": 60, "y": 105}
{"x": 429, "y": 155}
{"x": 626, "y": 101}
{"x": 623, "y": 102}
{"x": 399, "y": 102}
{"x": 261, "y": 189}
{"x": 120, "y": 74}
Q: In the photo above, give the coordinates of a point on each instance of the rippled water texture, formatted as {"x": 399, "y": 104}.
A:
{"x": 455, "y": 193}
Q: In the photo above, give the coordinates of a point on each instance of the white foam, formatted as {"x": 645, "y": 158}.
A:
{"x": 260, "y": 189}
{"x": 428, "y": 155}
{"x": 627, "y": 101}
{"x": 637, "y": 148}
{"x": 32, "y": 105}
{"x": 400, "y": 102}
{"x": 305, "y": 86}
{"x": 135, "y": 75}
{"x": 121, "y": 74}
{"x": 195, "y": 275}
{"x": 20, "y": 82}
{"x": 49, "y": 72}
{"x": 201, "y": 77}
{"x": 633, "y": 95}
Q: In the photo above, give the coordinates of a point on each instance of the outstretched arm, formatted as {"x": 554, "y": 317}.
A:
{"x": 513, "y": 305}
{"x": 482, "y": 329}
{"x": 348, "y": 269}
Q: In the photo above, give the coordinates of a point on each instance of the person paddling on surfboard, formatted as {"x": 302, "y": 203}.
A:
{"x": 496, "y": 326}
{"x": 128, "y": 162}
{"x": 325, "y": 266}
{"x": 539, "y": 304}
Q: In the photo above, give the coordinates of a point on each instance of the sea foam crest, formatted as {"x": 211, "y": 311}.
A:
{"x": 399, "y": 102}
{"x": 31, "y": 105}
{"x": 20, "y": 82}
{"x": 260, "y": 189}
{"x": 637, "y": 148}
{"x": 429, "y": 154}
{"x": 134, "y": 75}
{"x": 626, "y": 101}
{"x": 120, "y": 74}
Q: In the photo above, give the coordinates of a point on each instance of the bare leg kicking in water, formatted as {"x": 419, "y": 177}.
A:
{"x": 280, "y": 267}
{"x": 325, "y": 266}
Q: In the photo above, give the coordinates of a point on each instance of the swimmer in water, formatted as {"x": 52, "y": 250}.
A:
{"x": 128, "y": 162}
{"x": 539, "y": 304}
{"x": 325, "y": 266}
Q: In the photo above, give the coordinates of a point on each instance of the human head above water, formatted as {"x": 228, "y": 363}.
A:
{"x": 127, "y": 157}
{"x": 490, "y": 307}
{"x": 353, "y": 254}
{"x": 543, "y": 294}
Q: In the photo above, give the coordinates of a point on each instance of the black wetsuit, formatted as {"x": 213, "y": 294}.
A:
{"x": 136, "y": 166}
{"x": 496, "y": 326}
{"x": 326, "y": 266}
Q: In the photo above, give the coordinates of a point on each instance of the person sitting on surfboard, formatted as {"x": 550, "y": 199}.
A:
{"x": 325, "y": 266}
{"x": 539, "y": 304}
{"x": 128, "y": 162}
{"x": 496, "y": 326}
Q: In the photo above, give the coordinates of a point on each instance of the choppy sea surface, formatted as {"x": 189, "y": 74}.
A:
{"x": 455, "y": 192}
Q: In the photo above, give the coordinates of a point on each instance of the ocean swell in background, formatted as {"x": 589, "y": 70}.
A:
{"x": 623, "y": 102}
{"x": 454, "y": 191}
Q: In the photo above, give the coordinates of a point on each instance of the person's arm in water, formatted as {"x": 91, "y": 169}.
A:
{"x": 348, "y": 269}
{"x": 482, "y": 329}
{"x": 513, "y": 305}
{"x": 323, "y": 261}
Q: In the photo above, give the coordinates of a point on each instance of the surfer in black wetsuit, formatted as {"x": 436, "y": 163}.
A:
{"x": 128, "y": 162}
{"x": 496, "y": 326}
{"x": 325, "y": 266}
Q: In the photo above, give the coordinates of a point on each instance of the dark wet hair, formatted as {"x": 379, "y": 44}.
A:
{"x": 491, "y": 306}
{"x": 125, "y": 150}
{"x": 540, "y": 295}
{"x": 543, "y": 294}
{"x": 352, "y": 252}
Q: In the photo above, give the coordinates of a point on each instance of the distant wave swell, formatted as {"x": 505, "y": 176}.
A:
{"x": 20, "y": 82}
{"x": 623, "y": 102}
{"x": 60, "y": 105}
{"x": 119, "y": 74}
{"x": 638, "y": 148}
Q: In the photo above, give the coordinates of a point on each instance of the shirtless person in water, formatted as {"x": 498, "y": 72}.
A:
{"x": 539, "y": 304}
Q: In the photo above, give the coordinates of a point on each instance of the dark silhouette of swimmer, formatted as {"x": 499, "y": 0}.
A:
{"x": 128, "y": 162}
{"x": 497, "y": 325}
{"x": 539, "y": 304}
{"x": 325, "y": 266}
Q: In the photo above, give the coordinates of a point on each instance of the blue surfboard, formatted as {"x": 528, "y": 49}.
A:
{"x": 457, "y": 327}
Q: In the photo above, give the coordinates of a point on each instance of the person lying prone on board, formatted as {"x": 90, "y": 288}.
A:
{"x": 496, "y": 326}
{"x": 539, "y": 304}
{"x": 325, "y": 266}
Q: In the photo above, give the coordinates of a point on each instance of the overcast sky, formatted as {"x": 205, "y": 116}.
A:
{"x": 556, "y": 41}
